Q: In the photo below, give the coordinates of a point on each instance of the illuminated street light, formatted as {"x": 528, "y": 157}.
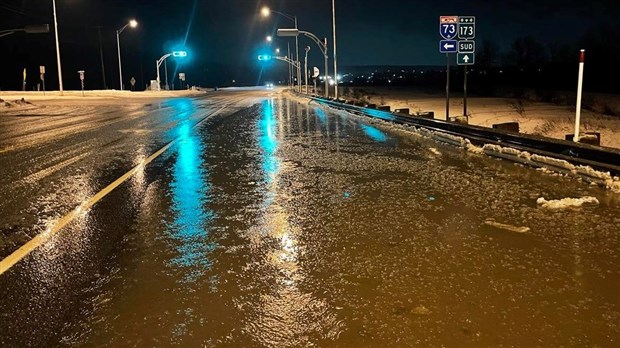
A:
{"x": 269, "y": 38}
{"x": 266, "y": 12}
{"x": 132, "y": 23}
{"x": 179, "y": 54}
{"x": 277, "y": 50}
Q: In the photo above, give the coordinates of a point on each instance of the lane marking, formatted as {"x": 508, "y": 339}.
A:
{"x": 41, "y": 174}
{"x": 51, "y": 231}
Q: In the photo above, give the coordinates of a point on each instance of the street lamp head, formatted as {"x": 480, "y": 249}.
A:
{"x": 133, "y": 23}
{"x": 179, "y": 54}
{"x": 265, "y": 11}
{"x": 277, "y": 50}
{"x": 269, "y": 38}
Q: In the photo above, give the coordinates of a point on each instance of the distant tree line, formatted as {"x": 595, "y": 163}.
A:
{"x": 527, "y": 64}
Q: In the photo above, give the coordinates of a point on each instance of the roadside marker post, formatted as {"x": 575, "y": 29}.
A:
{"x": 579, "y": 95}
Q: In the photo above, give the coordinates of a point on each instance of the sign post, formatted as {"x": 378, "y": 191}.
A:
{"x": 81, "y": 72}
{"x": 182, "y": 79}
{"x": 315, "y": 75}
{"x": 42, "y": 76}
{"x": 579, "y": 95}
{"x": 467, "y": 50}
{"x": 448, "y": 29}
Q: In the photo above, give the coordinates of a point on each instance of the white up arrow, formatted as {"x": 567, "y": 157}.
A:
{"x": 448, "y": 46}
{"x": 466, "y": 59}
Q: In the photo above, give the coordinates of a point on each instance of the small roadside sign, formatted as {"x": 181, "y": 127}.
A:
{"x": 448, "y": 46}
{"x": 448, "y": 27}
{"x": 132, "y": 81}
{"x": 42, "y": 69}
{"x": 81, "y": 72}
{"x": 315, "y": 72}
{"x": 466, "y": 58}
{"x": 467, "y": 46}
{"x": 182, "y": 76}
{"x": 467, "y": 27}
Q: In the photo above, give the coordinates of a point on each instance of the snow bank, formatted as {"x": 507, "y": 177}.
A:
{"x": 544, "y": 163}
{"x": 566, "y": 202}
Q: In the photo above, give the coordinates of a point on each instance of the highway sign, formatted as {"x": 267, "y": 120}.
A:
{"x": 467, "y": 46}
{"x": 315, "y": 72}
{"x": 467, "y": 27}
{"x": 448, "y": 46}
{"x": 465, "y": 58}
{"x": 448, "y": 27}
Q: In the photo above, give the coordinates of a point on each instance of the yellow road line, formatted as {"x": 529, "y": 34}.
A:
{"x": 41, "y": 238}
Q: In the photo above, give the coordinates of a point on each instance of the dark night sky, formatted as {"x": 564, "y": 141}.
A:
{"x": 224, "y": 36}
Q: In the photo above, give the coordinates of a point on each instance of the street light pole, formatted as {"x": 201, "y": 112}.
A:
{"x": 133, "y": 23}
{"x": 265, "y": 11}
{"x": 306, "y": 67}
{"x": 322, "y": 46}
{"x": 335, "y": 59}
{"x": 57, "y": 48}
{"x": 297, "y": 58}
{"x": 163, "y": 58}
{"x": 290, "y": 68}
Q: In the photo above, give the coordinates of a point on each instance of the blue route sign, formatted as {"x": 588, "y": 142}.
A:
{"x": 448, "y": 46}
{"x": 448, "y": 27}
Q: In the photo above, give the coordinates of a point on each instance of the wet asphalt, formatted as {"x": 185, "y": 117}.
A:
{"x": 274, "y": 222}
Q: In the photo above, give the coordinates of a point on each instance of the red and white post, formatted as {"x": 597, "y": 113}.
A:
{"x": 579, "y": 94}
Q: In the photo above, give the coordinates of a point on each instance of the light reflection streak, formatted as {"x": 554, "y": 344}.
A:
{"x": 374, "y": 133}
{"x": 287, "y": 315}
{"x": 190, "y": 188}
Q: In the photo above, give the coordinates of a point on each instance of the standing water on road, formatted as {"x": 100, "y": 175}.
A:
{"x": 290, "y": 225}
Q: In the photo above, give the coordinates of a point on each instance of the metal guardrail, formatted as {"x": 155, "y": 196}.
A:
{"x": 599, "y": 158}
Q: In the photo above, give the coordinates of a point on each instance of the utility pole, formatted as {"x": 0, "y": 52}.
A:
{"x": 57, "y": 49}
{"x": 335, "y": 55}
{"x": 105, "y": 85}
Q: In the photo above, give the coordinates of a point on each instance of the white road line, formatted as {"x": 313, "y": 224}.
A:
{"x": 41, "y": 238}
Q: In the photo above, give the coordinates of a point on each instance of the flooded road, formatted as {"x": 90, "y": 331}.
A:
{"x": 280, "y": 223}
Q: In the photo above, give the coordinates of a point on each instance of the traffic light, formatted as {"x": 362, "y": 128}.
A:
{"x": 264, "y": 57}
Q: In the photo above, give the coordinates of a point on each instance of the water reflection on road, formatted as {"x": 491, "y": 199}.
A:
{"x": 285, "y": 314}
{"x": 292, "y": 225}
{"x": 190, "y": 195}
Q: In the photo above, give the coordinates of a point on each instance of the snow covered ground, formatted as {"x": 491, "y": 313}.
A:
{"x": 544, "y": 119}
{"x": 103, "y": 94}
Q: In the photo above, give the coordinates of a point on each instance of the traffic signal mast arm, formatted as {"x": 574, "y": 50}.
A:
{"x": 288, "y": 60}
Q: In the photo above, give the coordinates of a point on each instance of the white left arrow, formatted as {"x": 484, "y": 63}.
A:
{"x": 448, "y": 46}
